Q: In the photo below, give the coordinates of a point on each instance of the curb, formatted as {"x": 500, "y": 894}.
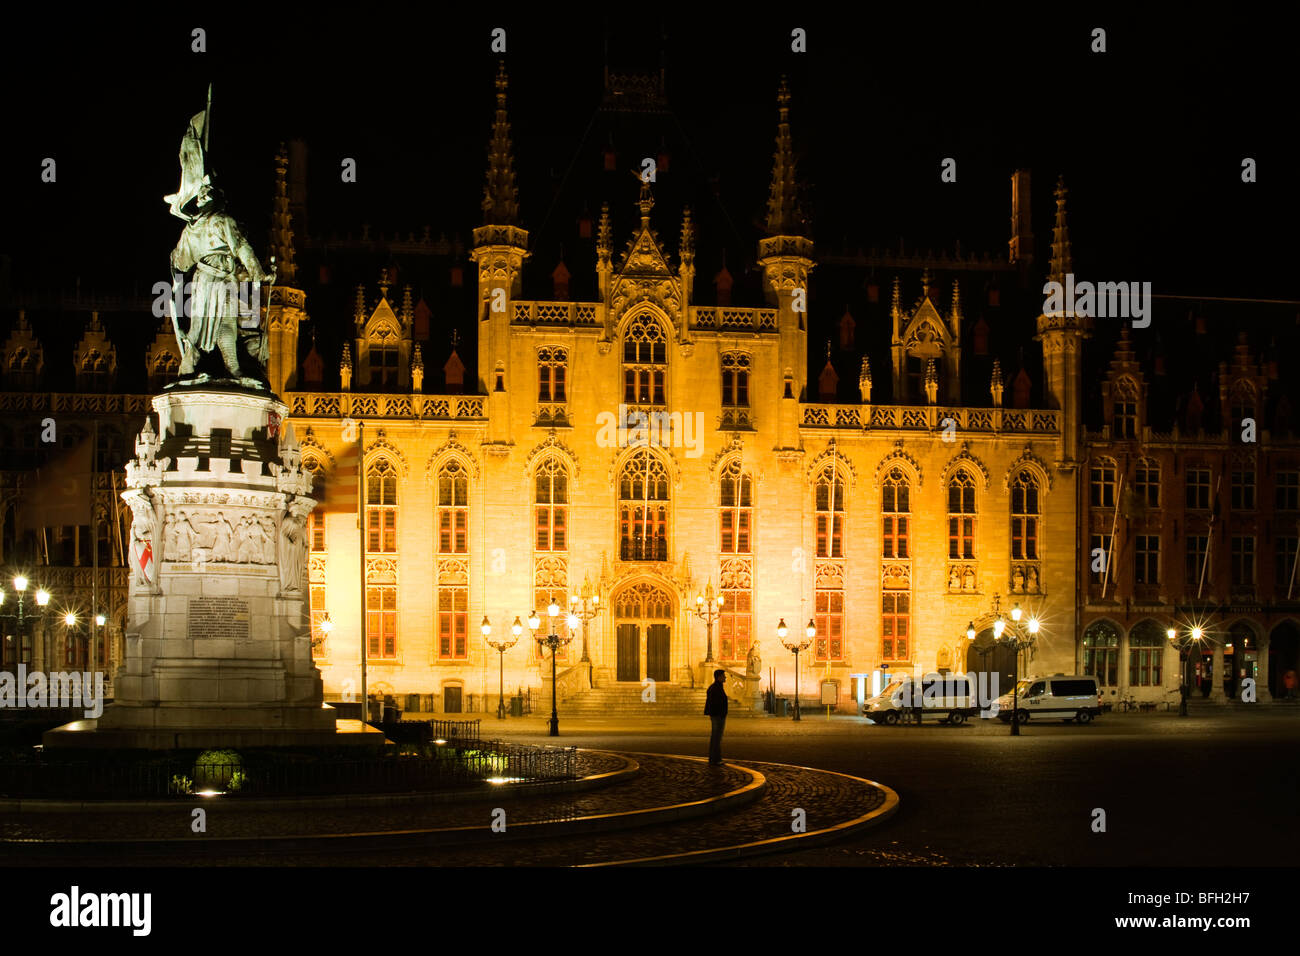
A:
{"x": 776, "y": 844}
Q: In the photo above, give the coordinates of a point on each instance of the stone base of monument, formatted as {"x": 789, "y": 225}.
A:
{"x": 218, "y": 635}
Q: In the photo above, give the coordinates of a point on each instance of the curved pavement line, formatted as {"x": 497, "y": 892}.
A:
{"x": 776, "y": 844}
{"x": 544, "y": 828}
{"x": 630, "y": 768}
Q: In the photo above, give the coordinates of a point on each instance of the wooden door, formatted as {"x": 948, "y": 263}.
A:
{"x": 657, "y": 652}
{"x": 629, "y": 652}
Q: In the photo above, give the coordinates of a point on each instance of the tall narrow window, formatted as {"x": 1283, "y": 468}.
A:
{"x": 643, "y": 508}
{"x": 735, "y": 380}
{"x": 735, "y": 389}
{"x": 383, "y": 358}
{"x": 829, "y": 613}
{"x": 1284, "y": 560}
{"x": 381, "y": 621}
{"x": 1287, "y": 490}
{"x": 736, "y": 519}
{"x": 1243, "y": 562}
{"x": 895, "y": 626}
{"x": 1146, "y": 567}
{"x": 453, "y": 612}
{"x": 453, "y": 509}
{"x": 961, "y": 517}
{"x": 830, "y": 514}
{"x": 1197, "y": 544}
{"x": 551, "y": 483}
{"x": 1102, "y": 484}
{"x": 552, "y": 385}
{"x": 1026, "y": 569}
{"x": 736, "y": 621}
{"x": 381, "y": 507}
{"x": 1243, "y": 489}
{"x": 895, "y": 508}
{"x": 381, "y": 546}
{"x": 1198, "y": 489}
{"x": 645, "y": 362}
{"x": 1147, "y": 482}
{"x": 1125, "y": 417}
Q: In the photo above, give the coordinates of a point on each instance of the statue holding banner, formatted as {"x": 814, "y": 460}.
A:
{"x": 225, "y": 288}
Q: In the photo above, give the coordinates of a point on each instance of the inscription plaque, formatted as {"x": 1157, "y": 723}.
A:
{"x": 218, "y": 617}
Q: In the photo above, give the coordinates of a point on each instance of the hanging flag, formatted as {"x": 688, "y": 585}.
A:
{"x": 58, "y": 494}
{"x": 342, "y": 484}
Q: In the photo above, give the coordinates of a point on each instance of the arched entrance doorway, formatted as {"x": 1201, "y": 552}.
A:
{"x": 643, "y": 615}
{"x": 993, "y": 663}
{"x": 1284, "y": 658}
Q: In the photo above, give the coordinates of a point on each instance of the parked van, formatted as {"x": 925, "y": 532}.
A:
{"x": 950, "y": 697}
{"x": 1066, "y": 698}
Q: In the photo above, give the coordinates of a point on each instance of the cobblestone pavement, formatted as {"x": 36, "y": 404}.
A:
{"x": 826, "y": 799}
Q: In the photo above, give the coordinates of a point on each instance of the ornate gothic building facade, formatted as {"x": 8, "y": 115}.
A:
{"x": 627, "y": 455}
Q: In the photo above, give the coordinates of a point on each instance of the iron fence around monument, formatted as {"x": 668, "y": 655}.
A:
{"x": 458, "y": 764}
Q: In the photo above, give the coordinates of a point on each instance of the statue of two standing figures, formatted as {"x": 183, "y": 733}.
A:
{"x": 226, "y": 337}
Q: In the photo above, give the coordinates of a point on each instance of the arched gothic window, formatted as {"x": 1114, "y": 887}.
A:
{"x": 453, "y": 509}
{"x": 830, "y": 513}
{"x": 895, "y": 507}
{"x": 643, "y": 509}
{"x": 551, "y": 500}
{"x": 381, "y": 507}
{"x": 645, "y": 362}
{"x": 737, "y": 517}
{"x": 961, "y": 516}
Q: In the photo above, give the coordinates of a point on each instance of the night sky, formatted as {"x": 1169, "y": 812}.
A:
{"x": 1150, "y": 137}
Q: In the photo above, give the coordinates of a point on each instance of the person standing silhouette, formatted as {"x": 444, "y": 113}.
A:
{"x": 715, "y": 707}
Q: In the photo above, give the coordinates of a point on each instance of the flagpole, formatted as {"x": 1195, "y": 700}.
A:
{"x": 94, "y": 544}
{"x": 1114, "y": 525}
{"x": 1209, "y": 539}
{"x": 361, "y": 540}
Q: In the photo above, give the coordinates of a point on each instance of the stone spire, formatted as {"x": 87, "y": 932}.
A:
{"x": 1062, "y": 259}
{"x": 784, "y": 217}
{"x": 281, "y": 244}
{"x": 896, "y": 302}
{"x": 500, "y": 197}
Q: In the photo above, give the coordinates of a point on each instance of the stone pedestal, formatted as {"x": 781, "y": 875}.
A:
{"x": 218, "y": 644}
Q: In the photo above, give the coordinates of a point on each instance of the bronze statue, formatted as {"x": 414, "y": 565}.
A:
{"x": 226, "y": 274}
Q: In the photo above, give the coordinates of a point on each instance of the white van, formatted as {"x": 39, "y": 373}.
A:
{"x": 950, "y": 697}
{"x": 1065, "y": 697}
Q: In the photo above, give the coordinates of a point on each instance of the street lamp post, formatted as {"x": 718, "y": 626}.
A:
{"x": 501, "y": 647}
{"x": 20, "y": 617}
{"x": 1018, "y": 637}
{"x": 585, "y": 607}
{"x": 1185, "y": 646}
{"x": 554, "y": 642}
{"x": 708, "y": 609}
{"x": 795, "y": 647}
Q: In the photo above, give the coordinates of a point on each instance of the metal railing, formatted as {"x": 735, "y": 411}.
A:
{"x": 457, "y": 764}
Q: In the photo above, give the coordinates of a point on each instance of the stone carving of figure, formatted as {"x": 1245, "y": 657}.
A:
{"x": 184, "y": 537}
{"x": 754, "y": 665}
{"x": 267, "y": 540}
{"x": 968, "y": 580}
{"x": 1032, "y": 585}
{"x": 248, "y": 548}
{"x": 145, "y": 558}
{"x": 954, "y": 579}
{"x": 293, "y": 551}
{"x": 1017, "y": 581}
{"x": 223, "y": 544}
